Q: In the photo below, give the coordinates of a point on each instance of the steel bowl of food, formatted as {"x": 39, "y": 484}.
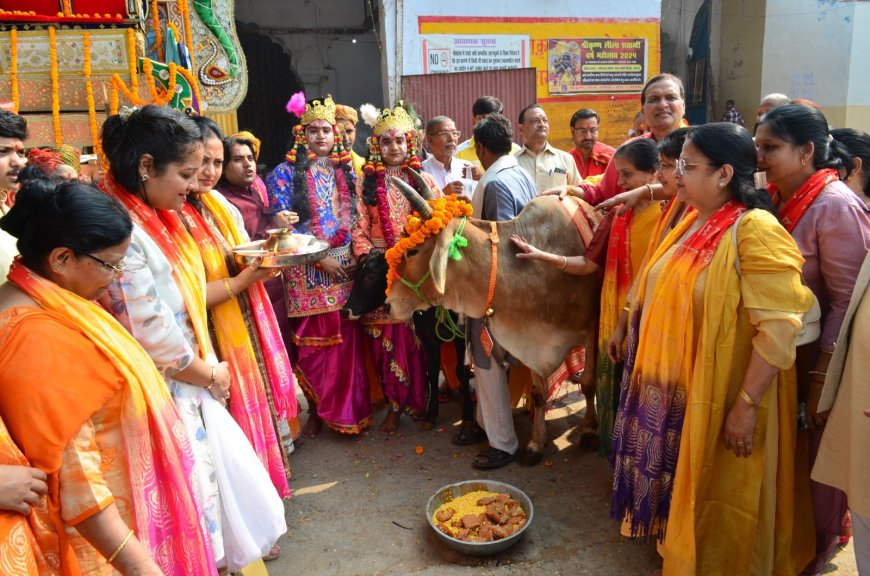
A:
{"x": 294, "y": 250}
{"x": 479, "y": 517}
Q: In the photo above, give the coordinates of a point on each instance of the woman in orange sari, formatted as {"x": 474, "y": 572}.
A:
{"x": 705, "y": 437}
{"x": 84, "y": 403}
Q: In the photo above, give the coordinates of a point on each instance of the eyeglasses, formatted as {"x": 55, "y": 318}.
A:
{"x": 584, "y": 131}
{"x": 680, "y": 169}
{"x": 114, "y": 268}
{"x": 447, "y": 134}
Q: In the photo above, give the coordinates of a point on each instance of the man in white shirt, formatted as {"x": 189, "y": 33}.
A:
{"x": 548, "y": 166}
{"x": 448, "y": 172}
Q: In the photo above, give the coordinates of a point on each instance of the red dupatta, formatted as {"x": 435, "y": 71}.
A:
{"x": 794, "y": 208}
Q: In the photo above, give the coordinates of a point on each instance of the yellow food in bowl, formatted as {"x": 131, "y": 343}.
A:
{"x": 480, "y": 516}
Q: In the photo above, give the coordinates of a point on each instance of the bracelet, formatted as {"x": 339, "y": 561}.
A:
{"x": 228, "y": 288}
{"x": 120, "y": 547}
{"x": 211, "y": 380}
{"x": 565, "y": 264}
{"x": 650, "y": 190}
{"x": 817, "y": 373}
{"x": 745, "y": 395}
{"x": 626, "y": 309}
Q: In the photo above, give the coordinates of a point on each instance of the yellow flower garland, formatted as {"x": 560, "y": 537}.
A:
{"x": 131, "y": 61}
{"x": 67, "y": 11}
{"x": 418, "y": 230}
{"x": 89, "y": 91}
{"x": 13, "y": 52}
{"x": 55, "y": 87}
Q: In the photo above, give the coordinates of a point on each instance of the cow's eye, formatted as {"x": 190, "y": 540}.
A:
{"x": 412, "y": 252}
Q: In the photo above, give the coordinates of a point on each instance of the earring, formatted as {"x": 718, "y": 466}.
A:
{"x": 144, "y": 177}
{"x": 56, "y": 267}
{"x": 803, "y": 161}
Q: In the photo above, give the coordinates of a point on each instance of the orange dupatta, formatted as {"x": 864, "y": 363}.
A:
{"x": 166, "y": 229}
{"x": 19, "y": 549}
{"x": 169, "y": 520}
{"x": 249, "y": 405}
{"x": 794, "y": 208}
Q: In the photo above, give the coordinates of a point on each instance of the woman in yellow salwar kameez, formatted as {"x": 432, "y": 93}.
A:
{"x": 705, "y": 438}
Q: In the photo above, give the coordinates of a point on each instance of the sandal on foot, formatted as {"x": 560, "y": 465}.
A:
{"x": 469, "y": 434}
{"x": 493, "y": 458}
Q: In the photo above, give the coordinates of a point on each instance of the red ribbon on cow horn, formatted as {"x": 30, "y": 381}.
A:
{"x": 422, "y": 185}
{"x": 417, "y": 202}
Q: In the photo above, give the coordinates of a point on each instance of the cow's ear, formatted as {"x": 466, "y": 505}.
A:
{"x": 438, "y": 261}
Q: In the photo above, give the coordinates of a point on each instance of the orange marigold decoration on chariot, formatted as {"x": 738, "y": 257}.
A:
{"x": 417, "y": 230}
{"x": 55, "y": 87}
{"x": 13, "y": 79}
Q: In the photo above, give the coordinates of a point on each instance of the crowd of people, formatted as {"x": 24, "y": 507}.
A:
{"x": 148, "y": 386}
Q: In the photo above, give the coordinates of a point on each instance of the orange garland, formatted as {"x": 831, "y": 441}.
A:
{"x": 158, "y": 31}
{"x": 131, "y": 58}
{"x": 417, "y": 230}
{"x": 67, "y": 11}
{"x": 13, "y": 53}
{"x": 55, "y": 88}
{"x": 89, "y": 91}
{"x": 148, "y": 70}
{"x": 193, "y": 85}
{"x": 184, "y": 9}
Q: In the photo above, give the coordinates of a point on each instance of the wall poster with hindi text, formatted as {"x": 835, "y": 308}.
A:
{"x": 590, "y": 65}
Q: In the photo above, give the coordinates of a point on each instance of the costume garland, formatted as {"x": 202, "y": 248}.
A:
{"x": 418, "y": 230}
{"x": 13, "y": 54}
{"x": 344, "y": 203}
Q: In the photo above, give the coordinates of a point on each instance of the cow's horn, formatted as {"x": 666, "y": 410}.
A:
{"x": 417, "y": 203}
{"x": 422, "y": 185}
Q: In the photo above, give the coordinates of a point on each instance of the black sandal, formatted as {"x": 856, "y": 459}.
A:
{"x": 493, "y": 458}
{"x": 469, "y": 434}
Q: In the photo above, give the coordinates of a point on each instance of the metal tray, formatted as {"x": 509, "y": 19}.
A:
{"x": 315, "y": 250}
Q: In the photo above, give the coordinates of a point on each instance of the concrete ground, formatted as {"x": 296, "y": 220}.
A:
{"x": 359, "y": 505}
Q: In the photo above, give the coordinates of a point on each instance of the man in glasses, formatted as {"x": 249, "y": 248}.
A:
{"x": 451, "y": 174}
{"x": 590, "y": 155}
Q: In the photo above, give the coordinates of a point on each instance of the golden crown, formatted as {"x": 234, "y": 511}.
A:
{"x": 319, "y": 110}
{"x": 395, "y": 119}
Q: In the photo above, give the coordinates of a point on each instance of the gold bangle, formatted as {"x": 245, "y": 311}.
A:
{"x": 745, "y": 395}
{"x": 565, "y": 264}
{"x": 120, "y": 547}
{"x": 211, "y": 380}
{"x": 626, "y": 309}
{"x": 651, "y": 196}
{"x": 229, "y": 289}
{"x": 817, "y": 373}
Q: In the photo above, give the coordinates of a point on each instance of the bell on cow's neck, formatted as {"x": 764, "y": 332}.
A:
{"x": 490, "y": 312}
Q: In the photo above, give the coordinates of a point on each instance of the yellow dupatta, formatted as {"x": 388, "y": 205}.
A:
{"x": 722, "y": 506}
{"x": 249, "y": 404}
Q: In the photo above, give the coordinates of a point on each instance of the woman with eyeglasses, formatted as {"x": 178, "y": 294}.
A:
{"x": 704, "y": 441}
{"x": 162, "y": 298}
{"x": 832, "y": 229}
{"x": 85, "y": 406}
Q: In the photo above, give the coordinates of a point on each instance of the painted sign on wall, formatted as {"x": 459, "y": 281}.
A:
{"x": 472, "y": 53}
